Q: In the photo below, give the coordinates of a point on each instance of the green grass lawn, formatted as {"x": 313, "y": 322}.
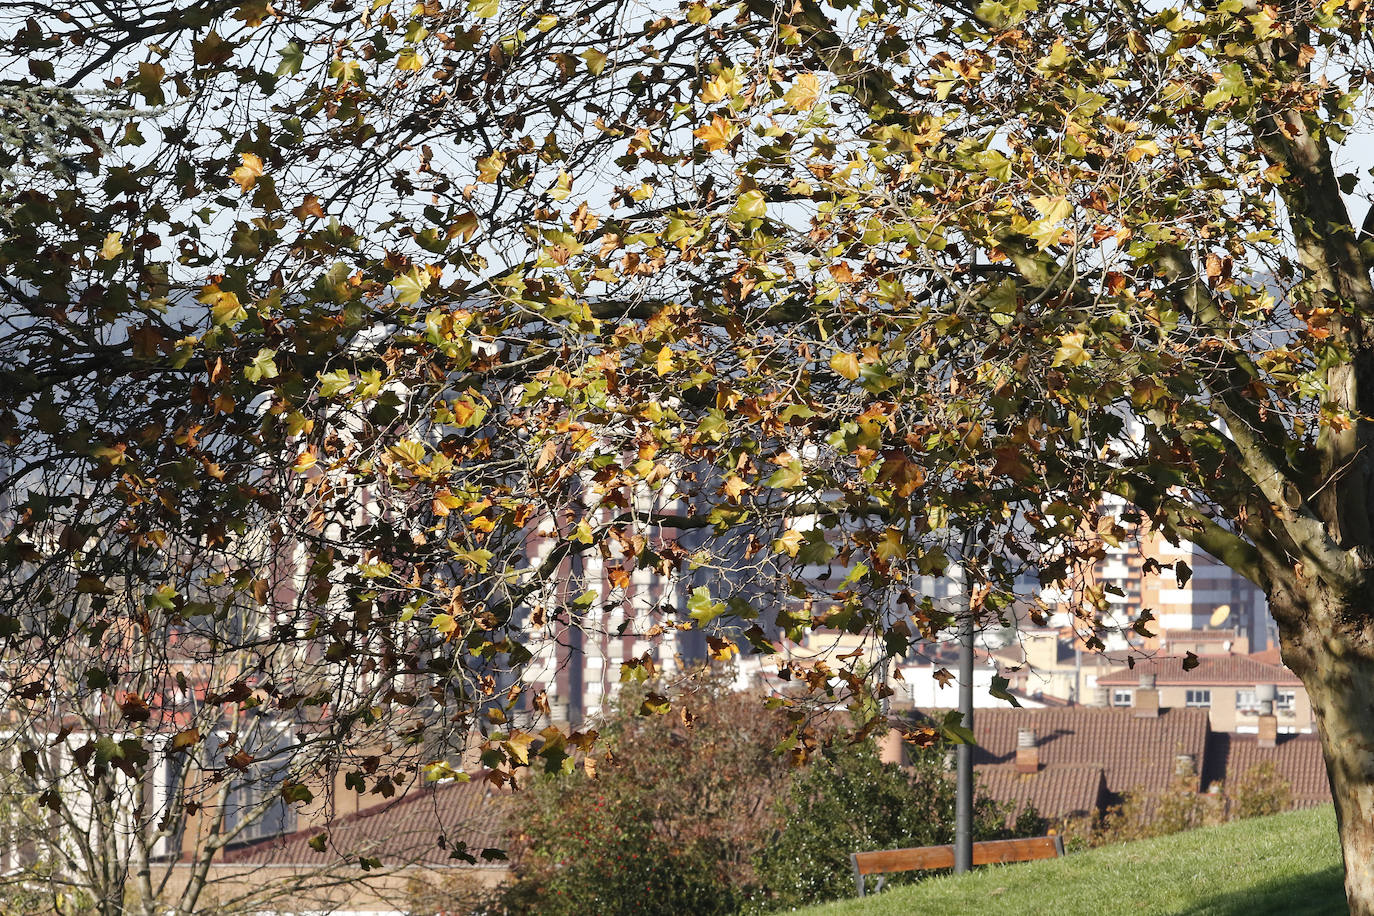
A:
{"x": 1285, "y": 864}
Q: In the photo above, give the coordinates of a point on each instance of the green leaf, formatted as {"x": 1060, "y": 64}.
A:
{"x": 994, "y": 164}
{"x": 332, "y": 383}
{"x": 411, "y": 285}
{"x": 953, "y": 729}
{"x": 787, "y": 477}
{"x": 702, "y": 608}
{"x": 292, "y": 57}
{"x": 751, "y": 205}
{"x": 999, "y": 690}
{"x": 263, "y": 366}
{"x": 294, "y": 792}
{"x": 319, "y": 841}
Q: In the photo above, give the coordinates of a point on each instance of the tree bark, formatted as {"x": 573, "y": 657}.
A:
{"x": 1333, "y": 654}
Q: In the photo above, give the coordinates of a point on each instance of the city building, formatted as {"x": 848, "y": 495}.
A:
{"x": 1227, "y": 687}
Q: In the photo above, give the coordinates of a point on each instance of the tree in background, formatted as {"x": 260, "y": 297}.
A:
{"x": 666, "y": 817}
{"x": 849, "y": 800}
{"x": 698, "y": 813}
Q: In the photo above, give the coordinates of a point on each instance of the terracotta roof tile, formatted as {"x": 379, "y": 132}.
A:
{"x": 406, "y": 830}
{"x": 1169, "y": 636}
{"x": 1297, "y": 758}
{"x": 1133, "y": 753}
{"x": 1057, "y": 791}
{"x": 1237, "y": 670}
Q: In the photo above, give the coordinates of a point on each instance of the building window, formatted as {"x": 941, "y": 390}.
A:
{"x": 1285, "y": 700}
{"x": 1122, "y": 697}
{"x": 1245, "y": 701}
{"x": 1197, "y": 698}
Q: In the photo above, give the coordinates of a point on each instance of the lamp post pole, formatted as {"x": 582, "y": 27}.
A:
{"x": 963, "y": 810}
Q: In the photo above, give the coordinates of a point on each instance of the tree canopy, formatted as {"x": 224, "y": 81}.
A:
{"x": 379, "y": 324}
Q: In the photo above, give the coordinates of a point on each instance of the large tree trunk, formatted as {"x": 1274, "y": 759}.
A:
{"x": 1333, "y": 653}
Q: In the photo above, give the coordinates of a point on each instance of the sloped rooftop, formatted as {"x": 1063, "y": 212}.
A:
{"x": 1296, "y": 758}
{"x": 425, "y": 827}
{"x": 1211, "y": 670}
{"x": 1133, "y": 753}
{"x": 1057, "y": 791}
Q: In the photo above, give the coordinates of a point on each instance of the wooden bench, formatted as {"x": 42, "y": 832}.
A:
{"x": 920, "y": 858}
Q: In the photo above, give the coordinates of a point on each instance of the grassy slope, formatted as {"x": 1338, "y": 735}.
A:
{"x": 1289, "y": 863}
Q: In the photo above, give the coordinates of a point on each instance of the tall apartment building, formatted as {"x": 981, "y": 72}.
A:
{"x": 1142, "y": 572}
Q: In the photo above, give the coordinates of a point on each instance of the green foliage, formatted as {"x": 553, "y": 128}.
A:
{"x": 672, "y": 818}
{"x": 710, "y": 819}
{"x": 851, "y": 801}
{"x": 1258, "y": 791}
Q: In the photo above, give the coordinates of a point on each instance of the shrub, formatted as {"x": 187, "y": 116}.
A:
{"x": 671, "y": 822}
{"x": 851, "y": 801}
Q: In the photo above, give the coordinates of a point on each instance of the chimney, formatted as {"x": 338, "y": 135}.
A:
{"x": 891, "y": 749}
{"x": 1146, "y": 698}
{"x": 1268, "y": 736}
{"x": 1102, "y": 696}
{"x": 1027, "y": 751}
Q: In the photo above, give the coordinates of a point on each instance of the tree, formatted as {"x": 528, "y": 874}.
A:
{"x": 851, "y": 801}
{"x": 473, "y": 313}
{"x": 666, "y": 817}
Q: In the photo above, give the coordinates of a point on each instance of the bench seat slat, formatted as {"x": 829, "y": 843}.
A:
{"x": 989, "y": 852}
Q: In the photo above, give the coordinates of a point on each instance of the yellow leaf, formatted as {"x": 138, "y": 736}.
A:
{"x": 247, "y": 175}
{"x": 846, "y": 364}
{"x": 716, "y": 135}
{"x": 805, "y": 92}
{"x": 721, "y": 649}
{"x": 1071, "y": 350}
{"x": 562, "y": 187}
{"x": 1141, "y": 150}
{"x": 664, "y": 364}
{"x": 789, "y": 543}
{"x": 409, "y": 451}
{"x": 445, "y": 502}
{"x": 892, "y": 545}
{"x": 112, "y": 246}
{"x": 751, "y": 205}
{"x": 224, "y": 306}
{"x": 410, "y": 59}
{"x": 184, "y": 739}
{"x": 489, "y": 167}
{"x": 735, "y": 487}
{"x": 722, "y": 86}
{"x": 519, "y": 747}
{"x": 1052, "y": 208}
{"x": 596, "y": 61}
{"x": 305, "y": 460}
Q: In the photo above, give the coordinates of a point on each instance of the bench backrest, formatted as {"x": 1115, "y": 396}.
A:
{"x": 990, "y": 852}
